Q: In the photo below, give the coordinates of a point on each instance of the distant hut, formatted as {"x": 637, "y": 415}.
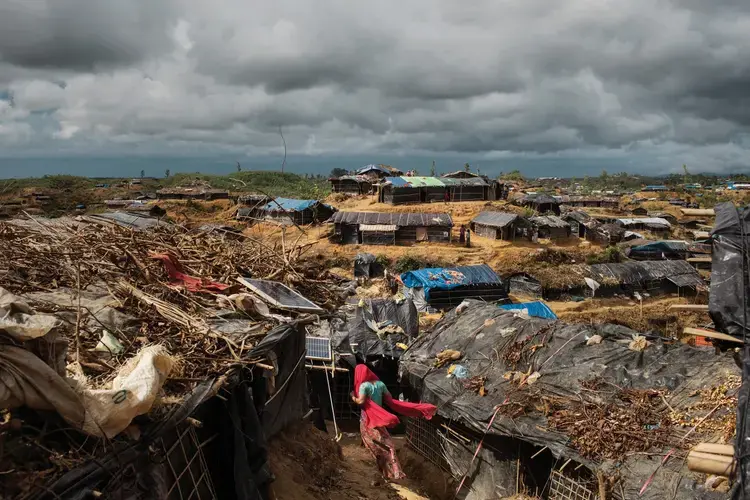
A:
{"x": 378, "y": 171}
{"x": 500, "y": 226}
{"x": 289, "y": 211}
{"x": 403, "y": 190}
{"x": 654, "y": 224}
{"x": 551, "y": 227}
{"x": 444, "y": 288}
{"x": 352, "y": 184}
{"x": 377, "y": 228}
{"x": 605, "y": 280}
{"x": 639, "y": 211}
{"x": 541, "y": 203}
{"x": 579, "y": 222}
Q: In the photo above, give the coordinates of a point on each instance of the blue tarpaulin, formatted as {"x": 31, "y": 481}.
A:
{"x": 289, "y": 205}
{"x": 537, "y": 309}
{"x": 449, "y": 278}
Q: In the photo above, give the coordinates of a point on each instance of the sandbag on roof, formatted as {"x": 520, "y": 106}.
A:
{"x": 501, "y": 346}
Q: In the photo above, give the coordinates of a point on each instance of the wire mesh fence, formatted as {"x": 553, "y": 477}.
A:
{"x": 426, "y": 438}
{"x": 186, "y": 464}
{"x": 563, "y": 487}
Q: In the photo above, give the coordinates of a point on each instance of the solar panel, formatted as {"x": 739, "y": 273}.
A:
{"x": 279, "y": 295}
{"x": 318, "y": 348}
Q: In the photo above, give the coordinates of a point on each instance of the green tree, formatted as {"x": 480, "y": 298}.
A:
{"x": 467, "y": 167}
{"x": 432, "y": 170}
{"x": 338, "y": 172}
{"x": 143, "y": 174}
{"x": 166, "y": 174}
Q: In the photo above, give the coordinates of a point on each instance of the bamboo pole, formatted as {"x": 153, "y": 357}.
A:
{"x": 710, "y": 334}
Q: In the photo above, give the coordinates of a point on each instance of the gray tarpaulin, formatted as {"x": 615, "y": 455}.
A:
{"x": 484, "y": 333}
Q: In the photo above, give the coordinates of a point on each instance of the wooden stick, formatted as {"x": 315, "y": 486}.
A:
{"x": 699, "y": 260}
{"x": 711, "y": 334}
{"x": 688, "y": 307}
{"x": 537, "y": 453}
{"x": 326, "y": 368}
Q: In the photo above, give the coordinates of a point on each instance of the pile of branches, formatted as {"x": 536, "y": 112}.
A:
{"x": 43, "y": 256}
{"x": 630, "y": 420}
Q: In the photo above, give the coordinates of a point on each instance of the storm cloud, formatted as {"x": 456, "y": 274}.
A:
{"x": 492, "y": 78}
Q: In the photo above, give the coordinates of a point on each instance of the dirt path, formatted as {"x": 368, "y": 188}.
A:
{"x": 308, "y": 464}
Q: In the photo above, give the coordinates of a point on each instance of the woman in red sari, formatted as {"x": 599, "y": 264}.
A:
{"x": 370, "y": 393}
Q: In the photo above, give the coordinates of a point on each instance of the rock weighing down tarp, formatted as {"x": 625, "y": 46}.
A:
{"x": 540, "y": 372}
{"x": 729, "y": 304}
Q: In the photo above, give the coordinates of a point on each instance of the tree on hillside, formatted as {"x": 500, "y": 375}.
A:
{"x": 686, "y": 179}
{"x": 143, "y": 174}
{"x": 467, "y": 167}
{"x": 432, "y": 171}
{"x": 166, "y": 174}
{"x": 604, "y": 175}
{"x": 239, "y": 167}
{"x": 338, "y": 172}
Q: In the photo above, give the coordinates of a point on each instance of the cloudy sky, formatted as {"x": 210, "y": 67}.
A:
{"x": 641, "y": 85}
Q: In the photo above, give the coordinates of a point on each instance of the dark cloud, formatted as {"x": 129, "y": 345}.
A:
{"x": 82, "y": 34}
{"x": 662, "y": 81}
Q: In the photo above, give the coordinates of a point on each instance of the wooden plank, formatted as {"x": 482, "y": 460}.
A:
{"x": 688, "y": 307}
{"x": 703, "y": 260}
{"x": 715, "y": 448}
{"x": 710, "y": 334}
{"x": 697, "y": 211}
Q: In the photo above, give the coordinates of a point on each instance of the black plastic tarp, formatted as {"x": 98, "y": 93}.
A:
{"x": 367, "y": 266}
{"x": 728, "y": 301}
{"x": 484, "y": 333}
{"x": 379, "y": 324}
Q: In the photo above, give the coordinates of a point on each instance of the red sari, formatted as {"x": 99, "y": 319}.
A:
{"x": 375, "y": 419}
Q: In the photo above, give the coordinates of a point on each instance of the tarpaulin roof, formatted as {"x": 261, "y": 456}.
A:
{"x": 495, "y": 219}
{"x": 646, "y": 221}
{"x": 548, "y": 221}
{"x": 538, "y": 309}
{"x": 663, "y": 246}
{"x": 449, "y": 278}
{"x": 457, "y": 182}
{"x": 488, "y": 339}
{"x": 538, "y": 199}
{"x": 639, "y": 272}
{"x": 404, "y": 219}
{"x": 378, "y": 227}
{"x": 290, "y": 205}
{"x": 417, "y": 181}
{"x": 387, "y": 169}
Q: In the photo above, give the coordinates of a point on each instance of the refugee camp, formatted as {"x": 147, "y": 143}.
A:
{"x": 374, "y": 250}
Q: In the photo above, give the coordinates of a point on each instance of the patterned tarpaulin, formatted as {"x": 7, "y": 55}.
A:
{"x": 449, "y": 278}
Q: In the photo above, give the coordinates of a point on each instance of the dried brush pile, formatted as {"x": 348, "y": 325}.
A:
{"x": 44, "y": 256}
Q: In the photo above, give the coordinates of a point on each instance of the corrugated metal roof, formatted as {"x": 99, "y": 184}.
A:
{"x": 548, "y": 221}
{"x": 396, "y": 219}
{"x": 377, "y": 227}
{"x": 495, "y": 219}
{"x": 577, "y": 216}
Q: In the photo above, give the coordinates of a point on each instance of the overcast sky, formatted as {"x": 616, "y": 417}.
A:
{"x": 648, "y": 84}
